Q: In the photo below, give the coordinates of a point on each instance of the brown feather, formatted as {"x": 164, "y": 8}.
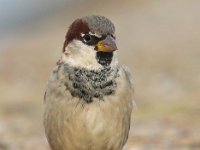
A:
{"x": 75, "y": 30}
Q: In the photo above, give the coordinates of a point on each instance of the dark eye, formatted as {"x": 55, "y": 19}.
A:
{"x": 90, "y": 39}
{"x": 87, "y": 38}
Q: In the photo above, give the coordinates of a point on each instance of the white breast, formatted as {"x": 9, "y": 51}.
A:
{"x": 71, "y": 124}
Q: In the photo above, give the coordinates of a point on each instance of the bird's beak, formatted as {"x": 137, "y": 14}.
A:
{"x": 107, "y": 45}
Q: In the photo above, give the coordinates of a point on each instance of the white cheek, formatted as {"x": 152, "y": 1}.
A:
{"x": 79, "y": 54}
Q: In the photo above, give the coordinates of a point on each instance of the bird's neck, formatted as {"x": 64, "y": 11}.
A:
{"x": 89, "y": 84}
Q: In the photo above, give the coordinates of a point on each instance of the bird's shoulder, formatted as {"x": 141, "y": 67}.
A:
{"x": 128, "y": 74}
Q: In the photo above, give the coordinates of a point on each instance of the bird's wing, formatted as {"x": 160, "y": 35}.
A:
{"x": 129, "y": 75}
{"x": 129, "y": 78}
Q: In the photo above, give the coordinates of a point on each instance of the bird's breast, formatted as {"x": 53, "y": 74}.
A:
{"x": 89, "y": 84}
{"x": 96, "y": 126}
{"x": 100, "y": 124}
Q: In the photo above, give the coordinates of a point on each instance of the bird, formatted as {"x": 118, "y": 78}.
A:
{"x": 89, "y": 95}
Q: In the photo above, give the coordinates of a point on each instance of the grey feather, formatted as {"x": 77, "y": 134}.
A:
{"x": 87, "y": 84}
{"x": 100, "y": 24}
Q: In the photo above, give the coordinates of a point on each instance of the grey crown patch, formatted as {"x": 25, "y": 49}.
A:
{"x": 100, "y": 24}
{"x": 88, "y": 84}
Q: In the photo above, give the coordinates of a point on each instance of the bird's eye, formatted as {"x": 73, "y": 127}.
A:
{"x": 87, "y": 38}
{"x": 90, "y": 39}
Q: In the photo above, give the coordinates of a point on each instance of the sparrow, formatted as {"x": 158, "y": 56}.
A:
{"x": 89, "y": 95}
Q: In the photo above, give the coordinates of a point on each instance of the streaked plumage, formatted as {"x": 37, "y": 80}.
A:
{"x": 88, "y": 100}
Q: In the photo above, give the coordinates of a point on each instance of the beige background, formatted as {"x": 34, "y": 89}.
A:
{"x": 158, "y": 40}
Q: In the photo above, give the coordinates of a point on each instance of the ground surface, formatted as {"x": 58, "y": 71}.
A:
{"x": 159, "y": 41}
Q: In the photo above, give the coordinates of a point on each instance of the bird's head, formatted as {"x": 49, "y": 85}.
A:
{"x": 90, "y": 43}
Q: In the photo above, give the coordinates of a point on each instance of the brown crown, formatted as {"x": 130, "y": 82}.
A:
{"x": 75, "y": 30}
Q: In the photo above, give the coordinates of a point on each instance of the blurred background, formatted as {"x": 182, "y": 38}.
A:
{"x": 158, "y": 40}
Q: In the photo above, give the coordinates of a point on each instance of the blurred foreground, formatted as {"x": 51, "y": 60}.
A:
{"x": 159, "y": 41}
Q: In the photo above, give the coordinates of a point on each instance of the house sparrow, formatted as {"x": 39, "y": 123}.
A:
{"x": 88, "y": 100}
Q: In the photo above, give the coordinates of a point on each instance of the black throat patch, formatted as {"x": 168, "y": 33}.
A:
{"x": 104, "y": 58}
{"x": 89, "y": 84}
